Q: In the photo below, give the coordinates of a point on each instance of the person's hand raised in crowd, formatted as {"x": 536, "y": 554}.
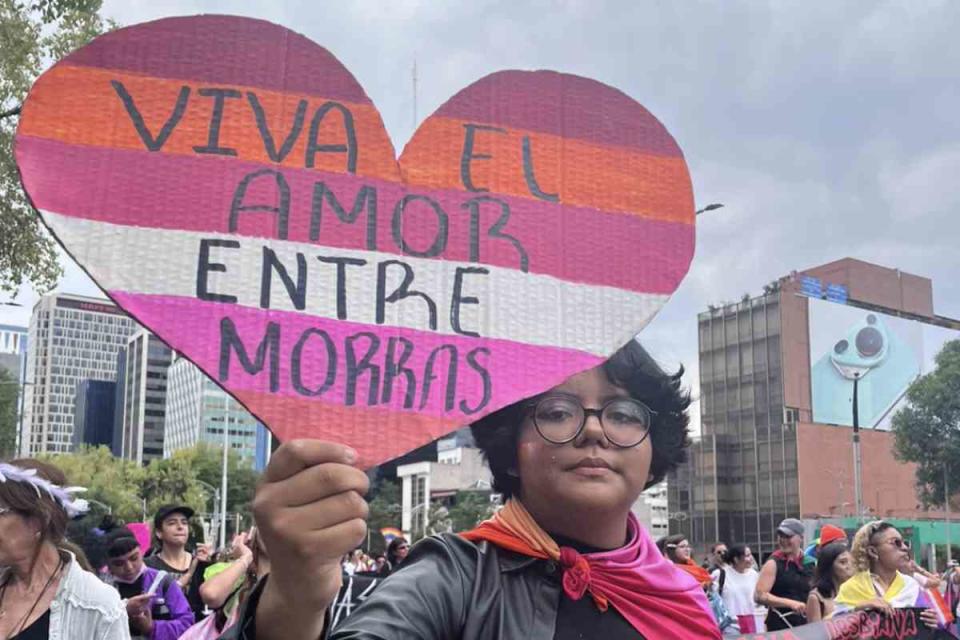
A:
{"x": 240, "y": 548}
{"x": 203, "y": 552}
{"x": 310, "y": 511}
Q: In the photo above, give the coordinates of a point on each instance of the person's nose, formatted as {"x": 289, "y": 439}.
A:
{"x": 593, "y": 432}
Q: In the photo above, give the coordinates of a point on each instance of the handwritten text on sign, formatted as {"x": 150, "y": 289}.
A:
{"x": 239, "y": 195}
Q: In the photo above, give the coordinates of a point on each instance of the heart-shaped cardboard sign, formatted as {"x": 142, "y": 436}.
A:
{"x": 229, "y": 184}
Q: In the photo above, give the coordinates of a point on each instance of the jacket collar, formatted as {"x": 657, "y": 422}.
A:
{"x": 509, "y": 561}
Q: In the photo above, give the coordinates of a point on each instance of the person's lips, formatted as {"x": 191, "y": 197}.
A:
{"x": 592, "y": 467}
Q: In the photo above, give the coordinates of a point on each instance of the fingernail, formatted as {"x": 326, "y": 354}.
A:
{"x": 350, "y": 454}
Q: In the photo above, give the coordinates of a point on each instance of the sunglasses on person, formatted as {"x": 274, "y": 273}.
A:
{"x": 899, "y": 543}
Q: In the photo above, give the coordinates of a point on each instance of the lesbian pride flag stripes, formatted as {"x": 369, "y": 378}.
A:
{"x": 229, "y": 183}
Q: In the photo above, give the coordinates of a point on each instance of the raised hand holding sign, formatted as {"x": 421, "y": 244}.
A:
{"x": 230, "y": 184}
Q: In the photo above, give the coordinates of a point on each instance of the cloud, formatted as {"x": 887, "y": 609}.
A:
{"x": 827, "y": 131}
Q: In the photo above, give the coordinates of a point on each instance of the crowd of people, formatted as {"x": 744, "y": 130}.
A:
{"x": 563, "y": 558}
{"x": 797, "y": 585}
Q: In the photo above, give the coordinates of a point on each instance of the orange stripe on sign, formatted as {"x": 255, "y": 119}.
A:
{"x": 80, "y": 105}
{"x": 378, "y": 435}
{"x": 580, "y": 173}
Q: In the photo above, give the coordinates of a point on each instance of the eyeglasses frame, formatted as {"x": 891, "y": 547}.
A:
{"x": 587, "y": 412}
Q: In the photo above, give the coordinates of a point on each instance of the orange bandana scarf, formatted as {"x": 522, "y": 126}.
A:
{"x": 649, "y": 591}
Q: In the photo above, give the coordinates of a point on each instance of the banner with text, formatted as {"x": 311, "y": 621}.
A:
{"x": 230, "y": 184}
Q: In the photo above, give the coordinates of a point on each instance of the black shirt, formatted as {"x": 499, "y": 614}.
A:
{"x": 579, "y": 619}
{"x": 794, "y": 581}
{"x": 39, "y": 630}
{"x": 192, "y": 592}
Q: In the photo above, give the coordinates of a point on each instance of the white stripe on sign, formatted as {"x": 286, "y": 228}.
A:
{"x": 498, "y": 303}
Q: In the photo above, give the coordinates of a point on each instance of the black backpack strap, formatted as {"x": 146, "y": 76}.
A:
{"x": 723, "y": 579}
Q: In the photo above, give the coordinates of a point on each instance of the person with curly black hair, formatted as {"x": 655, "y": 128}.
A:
{"x": 564, "y": 557}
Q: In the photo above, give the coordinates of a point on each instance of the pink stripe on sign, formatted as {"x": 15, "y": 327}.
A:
{"x": 630, "y": 252}
{"x": 563, "y": 105}
{"x": 196, "y": 328}
{"x": 224, "y": 51}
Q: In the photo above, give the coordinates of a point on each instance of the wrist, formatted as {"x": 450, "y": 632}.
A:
{"x": 276, "y": 618}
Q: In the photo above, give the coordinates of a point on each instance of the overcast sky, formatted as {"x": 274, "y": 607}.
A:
{"x": 828, "y": 130}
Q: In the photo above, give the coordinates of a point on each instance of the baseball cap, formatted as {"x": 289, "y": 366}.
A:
{"x": 790, "y": 527}
{"x": 830, "y": 533}
{"x": 166, "y": 510}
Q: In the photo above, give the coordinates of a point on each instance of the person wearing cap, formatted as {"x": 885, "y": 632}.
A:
{"x": 161, "y": 615}
{"x": 171, "y": 532}
{"x": 830, "y": 534}
{"x": 785, "y": 580}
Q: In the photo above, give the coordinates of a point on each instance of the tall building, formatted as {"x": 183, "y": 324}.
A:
{"x": 116, "y": 446}
{"x": 651, "y": 510}
{"x": 195, "y": 412}
{"x": 13, "y": 349}
{"x": 71, "y": 338}
{"x": 93, "y": 413}
{"x": 144, "y": 396}
{"x": 777, "y": 375}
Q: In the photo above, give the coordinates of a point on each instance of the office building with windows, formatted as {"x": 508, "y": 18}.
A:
{"x": 93, "y": 413}
{"x": 776, "y": 386}
{"x": 144, "y": 396}
{"x": 13, "y": 349}
{"x": 197, "y": 409}
{"x": 71, "y": 338}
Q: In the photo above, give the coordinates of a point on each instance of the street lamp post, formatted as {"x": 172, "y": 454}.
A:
{"x": 857, "y": 461}
{"x": 215, "y": 492}
{"x": 709, "y": 207}
{"x": 223, "y": 471}
{"x": 946, "y": 506}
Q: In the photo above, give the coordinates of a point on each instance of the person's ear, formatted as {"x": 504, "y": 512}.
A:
{"x": 872, "y": 552}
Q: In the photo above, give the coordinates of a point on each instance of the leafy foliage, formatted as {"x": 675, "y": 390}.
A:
{"x": 384, "y": 512}
{"x": 927, "y": 429}
{"x": 33, "y": 35}
{"x": 470, "y": 509}
{"x": 132, "y": 490}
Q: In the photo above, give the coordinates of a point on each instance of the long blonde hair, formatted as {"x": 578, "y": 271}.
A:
{"x": 861, "y": 540}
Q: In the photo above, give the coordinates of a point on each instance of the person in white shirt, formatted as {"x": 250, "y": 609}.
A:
{"x": 736, "y": 583}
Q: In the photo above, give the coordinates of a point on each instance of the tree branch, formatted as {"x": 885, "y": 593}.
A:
{"x": 11, "y": 112}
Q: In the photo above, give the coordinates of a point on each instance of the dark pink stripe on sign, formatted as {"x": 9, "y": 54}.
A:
{"x": 225, "y": 51}
{"x": 506, "y": 371}
{"x": 563, "y": 105}
{"x": 139, "y": 188}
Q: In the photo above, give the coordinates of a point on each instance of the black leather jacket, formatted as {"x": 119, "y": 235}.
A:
{"x": 450, "y": 588}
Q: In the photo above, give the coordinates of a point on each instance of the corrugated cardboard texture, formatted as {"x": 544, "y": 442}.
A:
{"x": 229, "y": 183}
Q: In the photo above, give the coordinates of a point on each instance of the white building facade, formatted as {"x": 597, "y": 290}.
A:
{"x": 196, "y": 409}
{"x": 144, "y": 397}
{"x": 652, "y": 512}
{"x": 71, "y": 338}
{"x": 458, "y": 468}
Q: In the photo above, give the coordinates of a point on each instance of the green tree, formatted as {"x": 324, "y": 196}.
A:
{"x": 384, "y": 512}
{"x": 470, "y": 508}
{"x": 33, "y": 35}
{"x": 113, "y": 481}
{"x": 9, "y": 389}
{"x": 205, "y": 462}
{"x": 927, "y": 428}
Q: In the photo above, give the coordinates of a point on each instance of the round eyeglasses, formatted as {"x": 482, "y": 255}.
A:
{"x": 561, "y": 419}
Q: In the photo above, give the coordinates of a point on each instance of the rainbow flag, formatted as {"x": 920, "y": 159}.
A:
{"x": 390, "y": 533}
